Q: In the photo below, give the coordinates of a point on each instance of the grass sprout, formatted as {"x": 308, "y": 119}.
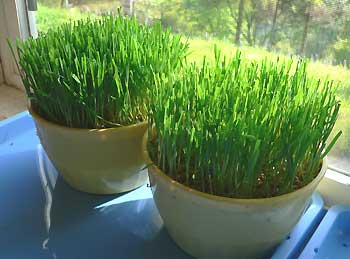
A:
{"x": 242, "y": 129}
{"x": 94, "y": 73}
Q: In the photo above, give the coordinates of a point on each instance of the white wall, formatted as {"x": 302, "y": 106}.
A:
{"x": 10, "y": 29}
{"x": 1, "y": 76}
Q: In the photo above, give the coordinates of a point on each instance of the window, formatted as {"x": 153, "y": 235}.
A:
{"x": 317, "y": 30}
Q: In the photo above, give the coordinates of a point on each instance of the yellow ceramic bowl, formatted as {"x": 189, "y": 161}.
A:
{"x": 100, "y": 161}
{"x": 209, "y": 226}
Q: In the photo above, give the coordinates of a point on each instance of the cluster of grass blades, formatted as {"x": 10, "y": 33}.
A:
{"x": 242, "y": 129}
{"x": 233, "y": 128}
{"x": 95, "y": 73}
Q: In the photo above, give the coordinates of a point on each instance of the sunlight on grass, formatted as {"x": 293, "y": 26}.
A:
{"x": 200, "y": 48}
{"x": 339, "y": 74}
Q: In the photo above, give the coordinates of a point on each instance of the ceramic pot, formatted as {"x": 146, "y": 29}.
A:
{"x": 99, "y": 161}
{"x": 209, "y": 226}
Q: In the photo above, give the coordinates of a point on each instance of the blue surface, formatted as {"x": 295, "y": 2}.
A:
{"x": 332, "y": 237}
{"x": 303, "y": 231}
{"x": 17, "y": 134}
{"x": 42, "y": 217}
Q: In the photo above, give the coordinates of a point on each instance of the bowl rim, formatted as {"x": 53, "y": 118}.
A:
{"x": 155, "y": 170}
{"x": 42, "y": 120}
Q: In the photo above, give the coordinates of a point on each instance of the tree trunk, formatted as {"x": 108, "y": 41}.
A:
{"x": 255, "y": 32}
{"x": 305, "y": 30}
{"x": 132, "y": 5}
{"x": 128, "y": 7}
{"x": 64, "y": 3}
{"x": 249, "y": 29}
{"x": 249, "y": 35}
{"x": 239, "y": 23}
{"x": 274, "y": 22}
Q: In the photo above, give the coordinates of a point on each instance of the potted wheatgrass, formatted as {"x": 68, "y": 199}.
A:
{"x": 235, "y": 150}
{"x": 87, "y": 87}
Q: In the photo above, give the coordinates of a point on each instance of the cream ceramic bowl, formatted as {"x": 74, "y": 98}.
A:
{"x": 99, "y": 161}
{"x": 208, "y": 226}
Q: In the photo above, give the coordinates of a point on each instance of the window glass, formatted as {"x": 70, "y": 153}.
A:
{"x": 315, "y": 29}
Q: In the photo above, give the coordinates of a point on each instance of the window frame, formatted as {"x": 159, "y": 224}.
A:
{"x": 334, "y": 188}
{"x": 1, "y": 74}
{"x": 14, "y": 24}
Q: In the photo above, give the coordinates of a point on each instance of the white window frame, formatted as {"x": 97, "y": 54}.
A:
{"x": 14, "y": 24}
{"x": 335, "y": 188}
{"x": 17, "y": 22}
{"x": 1, "y": 75}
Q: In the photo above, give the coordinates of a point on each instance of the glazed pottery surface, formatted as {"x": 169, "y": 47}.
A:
{"x": 100, "y": 161}
{"x": 209, "y": 226}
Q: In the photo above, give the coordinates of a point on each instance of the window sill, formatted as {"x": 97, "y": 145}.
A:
{"x": 12, "y": 101}
{"x": 335, "y": 188}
